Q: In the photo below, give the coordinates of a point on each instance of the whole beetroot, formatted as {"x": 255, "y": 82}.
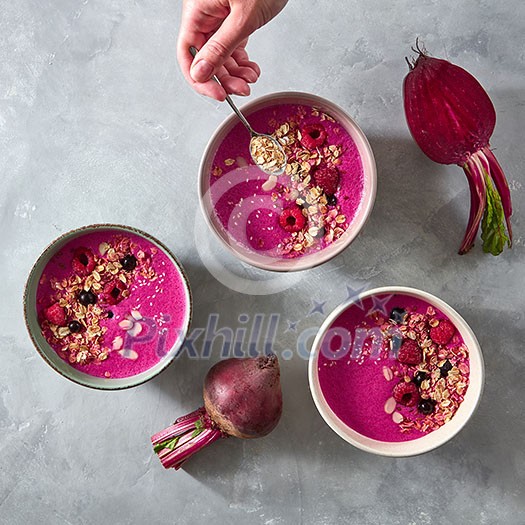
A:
{"x": 242, "y": 398}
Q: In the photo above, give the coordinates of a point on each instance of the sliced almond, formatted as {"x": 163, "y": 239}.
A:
{"x": 136, "y": 315}
{"x": 117, "y": 343}
{"x": 126, "y": 324}
{"x": 397, "y": 417}
{"x": 135, "y": 330}
{"x": 129, "y": 354}
{"x": 390, "y": 405}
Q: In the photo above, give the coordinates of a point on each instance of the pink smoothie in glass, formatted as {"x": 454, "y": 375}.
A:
{"x": 323, "y": 182}
{"x": 112, "y": 303}
{"x": 387, "y": 370}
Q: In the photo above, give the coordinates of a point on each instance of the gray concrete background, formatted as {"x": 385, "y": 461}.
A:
{"x": 96, "y": 124}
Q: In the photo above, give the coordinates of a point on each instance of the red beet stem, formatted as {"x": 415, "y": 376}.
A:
{"x": 489, "y": 203}
{"x": 177, "y": 457}
{"x": 502, "y": 186}
{"x": 190, "y": 433}
{"x": 476, "y": 180}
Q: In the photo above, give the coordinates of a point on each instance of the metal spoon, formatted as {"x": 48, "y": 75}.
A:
{"x": 266, "y": 151}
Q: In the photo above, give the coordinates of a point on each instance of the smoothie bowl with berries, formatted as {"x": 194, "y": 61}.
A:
{"x": 396, "y": 371}
{"x": 304, "y": 216}
{"x": 107, "y": 306}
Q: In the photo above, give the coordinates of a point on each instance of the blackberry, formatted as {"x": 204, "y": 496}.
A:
{"x": 129, "y": 262}
{"x": 85, "y": 298}
{"x": 445, "y": 368}
{"x": 74, "y": 326}
{"x": 398, "y": 315}
{"x": 426, "y": 406}
{"x": 419, "y": 377}
{"x": 331, "y": 200}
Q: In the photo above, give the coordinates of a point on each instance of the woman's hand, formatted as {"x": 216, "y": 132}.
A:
{"x": 220, "y": 30}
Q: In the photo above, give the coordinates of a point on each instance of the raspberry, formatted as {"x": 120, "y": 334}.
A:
{"x": 406, "y": 394}
{"x": 443, "y": 332}
{"x": 55, "y": 314}
{"x": 410, "y": 353}
{"x": 327, "y": 178}
{"x": 83, "y": 261}
{"x": 313, "y": 136}
{"x": 292, "y": 219}
{"x": 112, "y": 292}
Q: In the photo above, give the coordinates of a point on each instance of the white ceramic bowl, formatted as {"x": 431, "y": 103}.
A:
{"x": 48, "y": 353}
{"x": 429, "y": 441}
{"x": 307, "y": 261}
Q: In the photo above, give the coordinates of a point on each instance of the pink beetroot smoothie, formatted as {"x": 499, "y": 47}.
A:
{"x": 137, "y": 311}
{"x": 252, "y": 214}
{"x": 359, "y": 372}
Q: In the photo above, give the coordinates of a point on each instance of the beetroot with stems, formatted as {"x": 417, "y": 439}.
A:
{"x": 452, "y": 118}
{"x": 242, "y": 398}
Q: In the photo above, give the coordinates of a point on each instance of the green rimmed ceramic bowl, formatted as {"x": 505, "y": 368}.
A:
{"x": 63, "y": 367}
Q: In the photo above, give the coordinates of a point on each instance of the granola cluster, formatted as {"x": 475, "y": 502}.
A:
{"x": 430, "y": 388}
{"x": 78, "y": 303}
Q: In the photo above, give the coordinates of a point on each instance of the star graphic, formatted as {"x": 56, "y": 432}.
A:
{"x": 318, "y": 307}
{"x": 353, "y": 293}
{"x": 292, "y": 326}
{"x": 379, "y": 305}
